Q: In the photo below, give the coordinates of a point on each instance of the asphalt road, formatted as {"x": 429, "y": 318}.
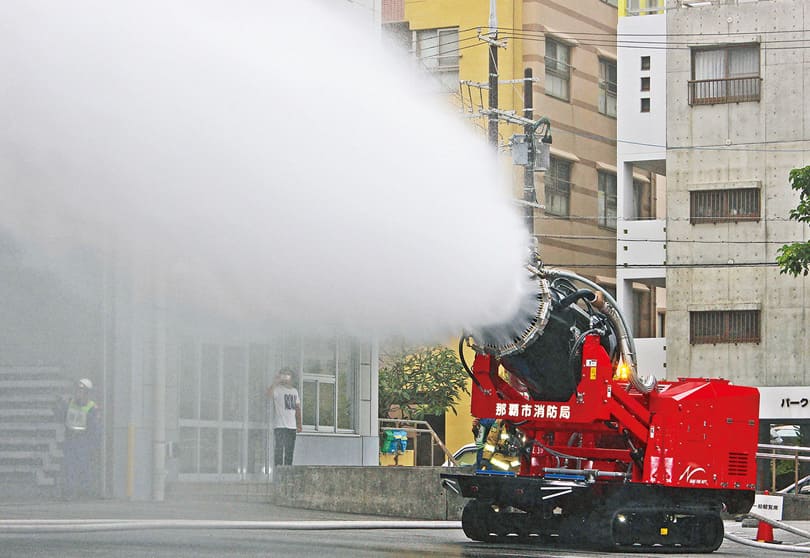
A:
{"x": 304, "y": 544}
{"x": 194, "y": 543}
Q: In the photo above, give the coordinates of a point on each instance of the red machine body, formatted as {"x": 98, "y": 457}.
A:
{"x": 581, "y": 448}
{"x": 694, "y": 433}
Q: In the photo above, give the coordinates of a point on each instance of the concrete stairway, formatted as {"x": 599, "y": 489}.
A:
{"x": 30, "y": 432}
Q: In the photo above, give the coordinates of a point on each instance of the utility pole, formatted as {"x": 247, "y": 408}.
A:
{"x": 531, "y": 150}
{"x": 529, "y": 194}
{"x": 492, "y": 128}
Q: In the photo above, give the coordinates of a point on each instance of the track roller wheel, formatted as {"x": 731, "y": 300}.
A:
{"x": 667, "y": 530}
{"x": 478, "y": 521}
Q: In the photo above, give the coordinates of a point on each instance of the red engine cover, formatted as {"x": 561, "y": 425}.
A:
{"x": 703, "y": 434}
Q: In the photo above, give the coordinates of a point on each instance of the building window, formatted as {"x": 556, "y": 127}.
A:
{"x": 437, "y": 49}
{"x": 329, "y": 376}
{"x": 724, "y": 326}
{"x": 643, "y": 201}
{"x": 645, "y": 84}
{"x": 607, "y": 200}
{"x": 222, "y": 409}
{"x": 645, "y": 62}
{"x": 607, "y": 87}
{"x": 642, "y": 322}
{"x": 614, "y": 3}
{"x": 645, "y": 104}
{"x": 558, "y": 69}
{"x": 558, "y": 188}
{"x": 392, "y": 10}
{"x": 725, "y": 75}
{"x": 720, "y": 206}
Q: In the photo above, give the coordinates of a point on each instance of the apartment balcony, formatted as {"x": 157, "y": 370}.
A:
{"x": 724, "y": 90}
{"x": 641, "y": 248}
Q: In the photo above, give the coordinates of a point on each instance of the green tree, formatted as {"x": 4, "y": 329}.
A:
{"x": 420, "y": 381}
{"x": 794, "y": 258}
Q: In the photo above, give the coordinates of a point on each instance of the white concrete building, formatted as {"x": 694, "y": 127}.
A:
{"x": 641, "y": 179}
{"x": 182, "y": 390}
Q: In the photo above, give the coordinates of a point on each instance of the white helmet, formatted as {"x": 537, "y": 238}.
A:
{"x": 86, "y": 384}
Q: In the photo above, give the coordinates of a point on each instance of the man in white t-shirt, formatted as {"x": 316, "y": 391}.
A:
{"x": 286, "y": 416}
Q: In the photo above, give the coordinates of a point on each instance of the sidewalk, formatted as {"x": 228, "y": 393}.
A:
{"x": 174, "y": 509}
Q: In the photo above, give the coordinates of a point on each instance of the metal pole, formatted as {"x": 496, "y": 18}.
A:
{"x": 159, "y": 387}
{"x": 529, "y": 194}
{"x": 796, "y": 473}
{"x": 493, "y": 73}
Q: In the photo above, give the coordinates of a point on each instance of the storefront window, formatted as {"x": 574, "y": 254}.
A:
{"x": 223, "y": 410}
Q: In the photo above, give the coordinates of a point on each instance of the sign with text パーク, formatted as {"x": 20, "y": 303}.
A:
{"x": 784, "y": 402}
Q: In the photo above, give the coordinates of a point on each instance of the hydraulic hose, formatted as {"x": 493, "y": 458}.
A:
{"x": 573, "y": 297}
{"x": 466, "y": 366}
{"x": 781, "y": 525}
{"x": 29, "y": 526}
{"x": 610, "y": 308}
{"x": 770, "y": 546}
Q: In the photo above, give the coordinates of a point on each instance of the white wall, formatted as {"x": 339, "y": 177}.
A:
{"x": 642, "y": 136}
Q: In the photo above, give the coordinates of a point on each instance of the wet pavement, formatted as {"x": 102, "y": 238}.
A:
{"x": 356, "y": 541}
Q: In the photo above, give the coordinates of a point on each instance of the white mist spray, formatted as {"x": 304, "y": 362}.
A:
{"x": 285, "y": 165}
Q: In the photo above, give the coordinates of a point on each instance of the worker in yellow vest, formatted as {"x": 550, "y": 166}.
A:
{"x": 82, "y": 440}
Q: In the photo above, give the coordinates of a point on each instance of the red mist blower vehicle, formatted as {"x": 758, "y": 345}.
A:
{"x": 584, "y": 450}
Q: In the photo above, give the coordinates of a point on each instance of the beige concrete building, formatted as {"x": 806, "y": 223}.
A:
{"x": 737, "y": 123}
{"x": 577, "y": 92}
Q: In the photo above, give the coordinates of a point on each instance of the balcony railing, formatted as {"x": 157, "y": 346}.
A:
{"x": 724, "y": 90}
{"x": 637, "y": 8}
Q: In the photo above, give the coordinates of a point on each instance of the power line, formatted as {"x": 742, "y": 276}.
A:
{"x": 443, "y": 54}
{"x": 666, "y": 241}
{"x": 617, "y": 34}
{"x": 663, "y": 265}
{"x": 439, "y": 45}
{"x": 742, "y": 146}
{"x": 612, "y": 39}
{"x": 651, "y": 45}
{"x": 609, "y": 39}
{"x": 751, "y": 147}
{"x": 671, "y": 219}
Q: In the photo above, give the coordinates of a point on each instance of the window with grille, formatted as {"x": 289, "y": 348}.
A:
{"x": 607, "y": 87}
{"x": 607, "y": 200}
{"x": 558, "y": 69}
{"x": 725, "y": 75}
{"x": 558, "y": 188}
{"x": 437, "y": 49}
{"x": 717, "y": 206}
{"x": 724, "y": 326}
